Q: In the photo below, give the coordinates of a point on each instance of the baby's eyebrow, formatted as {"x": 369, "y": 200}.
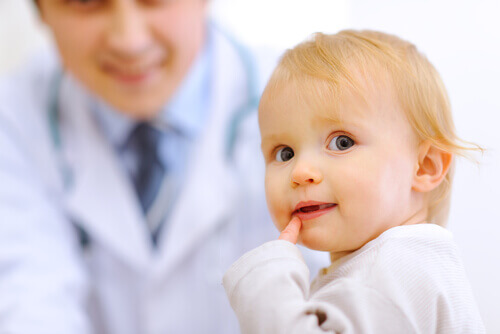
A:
{"x": 353, "y": 121}
{"x": 265, "y": 141}
{"x": 273, "y": 137}
{"x": 270, "y": 141}
{"x": 330, "y": 118}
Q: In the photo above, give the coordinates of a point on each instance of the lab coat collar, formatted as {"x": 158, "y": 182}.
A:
{"x": 209, "y": 197}
{"x": 101, "y": 199}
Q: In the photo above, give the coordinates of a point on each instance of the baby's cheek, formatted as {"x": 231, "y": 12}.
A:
{"x": 275, "y": 208}
{"x": 280, "y": 216}
{"x": 275, "y": 197}
{"x": 362, "y": 195}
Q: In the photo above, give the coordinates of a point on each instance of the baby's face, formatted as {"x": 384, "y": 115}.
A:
{"x": 348, "y": 181}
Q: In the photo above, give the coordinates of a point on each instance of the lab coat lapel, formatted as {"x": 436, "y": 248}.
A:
{"x": 209, "y": 195}
{"x": 100, "y": 199}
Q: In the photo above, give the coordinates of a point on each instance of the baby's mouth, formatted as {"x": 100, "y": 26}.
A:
{"x": 307, "y": 210}
{"x": 315, "y": 207}
{"x": 311, "y": 209}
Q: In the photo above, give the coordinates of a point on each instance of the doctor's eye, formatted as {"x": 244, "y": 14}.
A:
{"x": 85, "y": 4}
{"x": 341, "y": 143}
{"x": 158, "y": 2}
{"x": 284, "y": 154}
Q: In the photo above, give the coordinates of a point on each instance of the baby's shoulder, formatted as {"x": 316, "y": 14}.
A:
{"x": 410, "y": 240}
{"x": 408, "y": 263}
{"x": 414, "y": 247}
{"x": 405, "y": 256}
{"x": 415, "y": 268}
{"x": 425, "y": 250}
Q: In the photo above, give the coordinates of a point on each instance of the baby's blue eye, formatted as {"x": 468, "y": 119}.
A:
{"x": 284, "y": 154}
{"x": 340, "y": 143}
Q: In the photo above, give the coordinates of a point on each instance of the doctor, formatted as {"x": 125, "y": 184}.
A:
{"x": 130, "y": 172}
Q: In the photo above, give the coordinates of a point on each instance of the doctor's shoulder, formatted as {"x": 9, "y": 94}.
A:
{"x": 258, "y": 64}
{"x": 261, "y": 62}
{"x": 267, "y": 59}
{"x": 25, "y": 95}
{"x": 25, "y": 91}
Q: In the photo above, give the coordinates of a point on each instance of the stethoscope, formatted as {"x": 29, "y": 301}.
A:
{"x": 239, "y": 115}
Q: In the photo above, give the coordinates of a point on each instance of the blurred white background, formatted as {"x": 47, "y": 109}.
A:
{"x": 461, "y": 38}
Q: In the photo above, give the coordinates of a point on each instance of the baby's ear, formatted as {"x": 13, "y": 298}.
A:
{"x": 433, "y": 164}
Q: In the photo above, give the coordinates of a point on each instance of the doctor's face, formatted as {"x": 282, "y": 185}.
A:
{"x": 346, "y": 174}
{"x": 131, "y": 53}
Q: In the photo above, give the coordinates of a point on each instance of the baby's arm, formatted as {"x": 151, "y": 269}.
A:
{"x": 269, "y": 290}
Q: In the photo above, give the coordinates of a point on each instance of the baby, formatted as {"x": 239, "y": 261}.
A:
{"x": 358, "y": 141}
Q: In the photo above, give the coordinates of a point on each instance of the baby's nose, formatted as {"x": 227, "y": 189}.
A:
{"x": 304, "y": 174}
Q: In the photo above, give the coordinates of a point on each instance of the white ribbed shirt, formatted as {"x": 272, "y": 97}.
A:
{"x": 408, "y": 280}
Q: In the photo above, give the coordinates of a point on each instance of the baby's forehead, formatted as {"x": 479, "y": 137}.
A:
{"x": 333, "y": 101}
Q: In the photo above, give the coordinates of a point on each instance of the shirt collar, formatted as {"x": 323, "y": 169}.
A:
{"x": 186, "y": 111}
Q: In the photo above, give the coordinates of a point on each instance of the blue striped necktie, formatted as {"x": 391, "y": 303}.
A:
{"x": 144, "y": 141}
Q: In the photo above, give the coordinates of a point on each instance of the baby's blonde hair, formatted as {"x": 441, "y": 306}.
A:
{"x": 337, "y": 62}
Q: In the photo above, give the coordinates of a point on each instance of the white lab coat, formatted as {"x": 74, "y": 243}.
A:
{"x": 119, "y": 284}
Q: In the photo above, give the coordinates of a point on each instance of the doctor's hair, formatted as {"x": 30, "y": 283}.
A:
{"x": 328, "y": 66}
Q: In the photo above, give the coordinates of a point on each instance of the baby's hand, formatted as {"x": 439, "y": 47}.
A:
{"x": 291, "y": 231}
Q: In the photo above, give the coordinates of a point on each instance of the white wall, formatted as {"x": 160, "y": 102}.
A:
{"x": 280, "y": 23}
{"x": 461, "y": 38}
{"x": 20, "y": 32}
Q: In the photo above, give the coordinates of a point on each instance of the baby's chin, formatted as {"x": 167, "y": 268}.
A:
{"x": 311, "y": 243}
{"x": 320, "y": 242}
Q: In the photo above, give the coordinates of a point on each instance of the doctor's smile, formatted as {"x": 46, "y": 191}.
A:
{"x": 135, "y": 70}
{"x": 133, "y": 75}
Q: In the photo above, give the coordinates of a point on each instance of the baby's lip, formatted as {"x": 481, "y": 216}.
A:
{"x": 309, "y": 206}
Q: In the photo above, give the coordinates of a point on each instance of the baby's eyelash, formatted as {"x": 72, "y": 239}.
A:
{"x": 340, "y": 141}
